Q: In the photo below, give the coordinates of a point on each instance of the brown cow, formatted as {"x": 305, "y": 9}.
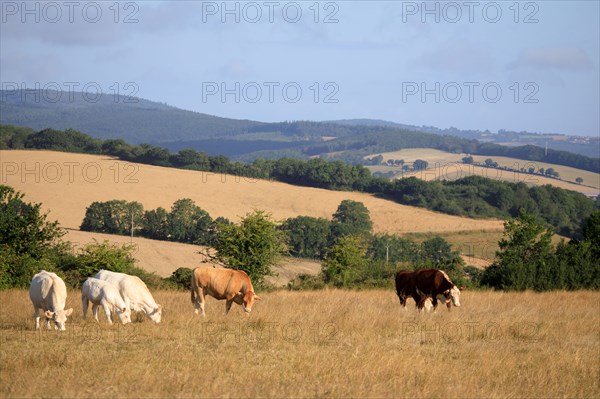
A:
{"x": 231, "y": 285}
{"x": 426, "y": 285}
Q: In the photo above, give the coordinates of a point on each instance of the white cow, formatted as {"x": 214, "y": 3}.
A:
{"x": 49, "y": 293}
{"x": 134, "y": 293}
{"x": 102, "y": 293}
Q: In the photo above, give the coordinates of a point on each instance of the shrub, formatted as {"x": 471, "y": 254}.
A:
{"x": 182, "y": 278}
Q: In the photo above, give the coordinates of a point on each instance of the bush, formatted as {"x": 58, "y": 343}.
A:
{"x": 306, "y": 282}
{"x": 253, "y": 246}
{"x": 182, "y": 278}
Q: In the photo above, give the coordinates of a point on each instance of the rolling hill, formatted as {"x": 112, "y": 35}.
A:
{"x": 116, "y": 117}
{"x": 137, "y": 120}
{"x": 449, "y": 166}
{"x": 66, "y": 183}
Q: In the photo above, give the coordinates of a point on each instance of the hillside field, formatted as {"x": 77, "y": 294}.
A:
{"x": 164, "y": 257}
{"x": 448, "y": 166}
{"x": 330, "y": 343}
{"x": 67, "y": 183}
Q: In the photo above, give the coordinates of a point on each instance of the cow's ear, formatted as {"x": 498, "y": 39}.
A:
{"x": 257, "y": 298}
{"x": 461, "y": 288}
{"x": 49, "y": 314}
{"x": 124, "y": 310}
{"x": 68, "y": 312}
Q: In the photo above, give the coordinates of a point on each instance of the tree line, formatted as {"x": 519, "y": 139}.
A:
{"x": 353, "y": 256}
{"x": 472, "y": 196}
{"x": 527, "y": 259}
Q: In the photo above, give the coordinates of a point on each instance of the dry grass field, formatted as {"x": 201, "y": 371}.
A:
{"x": 67, "y": 183}
{"x": 164, "y": 257}
{"x": 332, "y": 343}
{"x": 448, "y": 166}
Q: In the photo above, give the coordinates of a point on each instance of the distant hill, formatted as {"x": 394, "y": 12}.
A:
{"x": 130, "y": 118}
{"x": 137, "y": 120}
{"x": 583, "y": 145}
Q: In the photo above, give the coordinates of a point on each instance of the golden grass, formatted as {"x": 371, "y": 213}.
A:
{"x": 67, "y": 183}
{"x": 331, "y": 343}
{"x": 449, "y": 166}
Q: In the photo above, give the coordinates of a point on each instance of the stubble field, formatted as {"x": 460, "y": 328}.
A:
{"x": 332, "y": 343}
{"x": 66, "y": 184}
{"x": 448, "y": 166}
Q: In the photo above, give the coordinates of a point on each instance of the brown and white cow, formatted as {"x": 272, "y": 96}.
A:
{"x": 426, "y": 285}
{"x": 221, "y": 283}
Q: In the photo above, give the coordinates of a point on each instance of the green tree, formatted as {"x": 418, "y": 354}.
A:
{"x": 438, "y": 251}
{"x": 351, "y": 218}
{"x": 182, "y": 278}
{"x": 155, "y": 224}
{"x": 420, "y": 164}
{"x": 468, "y": 159}
{"x": 308, "y": 237}
{"x": 393, "y": 249}
{"x": 345, "y": 262}
{"x": 28, "y": 241}
{"x": 525, "y": 258}
{"x": 114, "y": 217}
{"x": 191, "y": 159}
{"x": 23, "y": 228}
{"x": 253, "y": 246}
{"x": 579, "y": 180}
{"x": 188, "y": 222}
{"x": 105, "y": 255}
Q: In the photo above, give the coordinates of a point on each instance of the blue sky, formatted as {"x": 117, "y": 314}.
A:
{"x": 470, "y": 64}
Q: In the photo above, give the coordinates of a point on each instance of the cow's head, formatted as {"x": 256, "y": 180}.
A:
{"x": 59, "y": 317}
{"x": 452, "y": 295}
{"x": 124, "y": 314}
{"x": 248, "y": 301}
{"x": 156, "y": 314}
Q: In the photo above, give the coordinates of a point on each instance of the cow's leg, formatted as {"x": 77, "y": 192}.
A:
{"x": 84, "y": 307}
{"x": 402, "y": 297}
{"x": 95, "y": 311}
{"x": 402, "y": 301}
{"x": 200, "y": 300}
{"x": 36, "y": 317}
{"x": 228, "y": 305}
{"x": 417, "y": 299}
{"x": 421, "y": 303}
{"x": 107, "y": 312}
{"x": 48, "y": 323}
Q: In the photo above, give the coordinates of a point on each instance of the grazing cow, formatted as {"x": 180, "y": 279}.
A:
{"x": 426, "y": 285}
{"x": 231, "y": 285}
{"x": 405, "y": 288}
{"x": 102, "y": 293}
{"x": 49, "y": 293}
{"x": 136, "y": 295}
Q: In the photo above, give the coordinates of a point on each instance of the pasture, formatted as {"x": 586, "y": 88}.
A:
{"x": 331, "y": 343}
{"x": 448, "y": 166}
